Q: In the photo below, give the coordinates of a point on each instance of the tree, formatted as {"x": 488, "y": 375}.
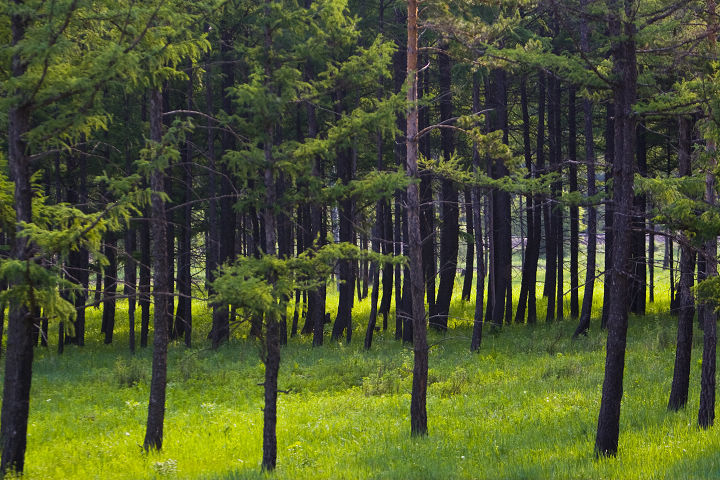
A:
{"x": 621, "y": 28}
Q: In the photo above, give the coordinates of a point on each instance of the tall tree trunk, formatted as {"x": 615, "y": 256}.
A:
{"x": 427, "y": 209}
{"x": 532, "y": 252}
{"x": 156, "y": 405}
{"x": 19, "y": 357}
{"x": 624, "y": 92}
{"x": 79, "y": 261}
{"x": 343, "y": 321}
{"x": 551, "y": 229}
{"x": 418, "y": 411}
{"x": 501, "y": 275}
{"x": 558, "y": 210}
{"x": 449, "y": 228}
{"x": 183, "y": 317}
{"x": 706, "y": 412}
{"x": 609, "y": 209}
{"x": 683, "y": 351}
{"x": 399, "y": 77}
{"x": 574, "y": 209}
{"x": 586, "y": 313}
{"x": 476, "y": 339}
{"x": 639, "y": 278}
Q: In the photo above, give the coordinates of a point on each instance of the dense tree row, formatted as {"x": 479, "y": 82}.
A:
{"x": 241, "y": 155}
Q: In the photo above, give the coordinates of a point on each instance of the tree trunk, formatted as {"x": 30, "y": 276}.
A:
{"x": 418, "y": 411}
{"x": 683, "y": 351}
{"x": 427, "y": 209}
{"x": 639, "y": 279}
{"x": 130, "y": 283}
{"x": 110, "y": 292}
{"x": 586, "y": 313}
{"x": 343, "y": 321}
{"x": 476, "y": 339}
{"x": 449, "y": 228}
{"x": 501, "y": 275}
{"x": 19, "y": 357}
{"x": 624, "y": 93}
{"x": 183, "y": 318}
{"x": 532, "y": 252}
{"x": 609, "y": 210}
{"x": 470, "y": 247}
{"x": 156, "y": 405}
{"x": 574, "y": 209}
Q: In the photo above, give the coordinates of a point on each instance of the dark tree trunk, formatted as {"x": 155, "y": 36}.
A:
{"x": 651, "y": 264}
{"x": 558, "y": 210}
{"x": 501, "y": 219}
{"x": 706, "y": 412}
{"x": 624, "y": 93}
{"x": 609, "y": 209}
{"x": 399, "y": 77}
{"x": 639, "y": 279}
{"x": 156, "y": 405}
{"x": 574, "y": 209}
{"x": 470, "y": 248}
{"x": 551, "y": 229}
{"x": 79, "y": 261}
{"x": 130, "y": 283}
{"x": 477, "y": 226}
{"x": 226, "y": 234}
{"x": 387, "y": 274}
{"x": 343, "y": 321}
{"x": 418, "y": 411}
{"x": 376, "y": 233}
{"x": 144, "y": 286}
{"x": 183, "y": 317}
{"x": 110, "y": 292}
{"x": 586, "y": 313}
{"x": 532, "y": 252}
{"x": 427, "y": 210}
{"x": 683, "y": 351}
{"x": 449, "y": 228}
{"x": 19, "y": 357}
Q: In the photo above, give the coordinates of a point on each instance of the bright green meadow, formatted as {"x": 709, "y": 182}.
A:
{"x": 524, "y": 407}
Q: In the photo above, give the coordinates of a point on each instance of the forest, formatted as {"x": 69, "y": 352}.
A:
{"x": 353, "y": 239}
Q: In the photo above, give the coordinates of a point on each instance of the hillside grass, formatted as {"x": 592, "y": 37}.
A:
{"x": 524, "y": 407}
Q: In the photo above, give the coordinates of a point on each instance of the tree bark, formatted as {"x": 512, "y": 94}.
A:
{"x": 110, "y": 292}
{"x": 19, "y": 356}
{"x": 586, "y": 313}
{"x": 156, "y": 405}
{"x": 418, "y": 411}
{"x": 683, "y": 350}
{"x": 622, "y": 30}
{"x": 574, "y": 209}
{"x": 449, "y": 228}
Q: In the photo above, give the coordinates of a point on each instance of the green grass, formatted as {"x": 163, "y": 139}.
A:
{"x": 524, "y": 407}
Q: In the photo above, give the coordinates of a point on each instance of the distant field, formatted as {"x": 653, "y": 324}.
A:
{"x": 524, "y": 407}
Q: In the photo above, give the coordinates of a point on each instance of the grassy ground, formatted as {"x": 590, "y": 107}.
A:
{"x": 524, "y": 407}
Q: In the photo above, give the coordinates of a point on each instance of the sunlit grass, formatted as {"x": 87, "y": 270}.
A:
{"x": 524, "y": 407}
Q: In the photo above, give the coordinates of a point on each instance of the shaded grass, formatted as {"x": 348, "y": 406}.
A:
{"x": 524, "y": 407}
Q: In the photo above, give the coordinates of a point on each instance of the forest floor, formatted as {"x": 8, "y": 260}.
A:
{"x": 524, "y": 407}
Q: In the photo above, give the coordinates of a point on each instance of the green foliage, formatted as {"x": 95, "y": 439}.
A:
{"x": 263, "y": 285}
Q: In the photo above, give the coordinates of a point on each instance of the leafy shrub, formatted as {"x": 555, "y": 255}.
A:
{"x": 130, "y": 372}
